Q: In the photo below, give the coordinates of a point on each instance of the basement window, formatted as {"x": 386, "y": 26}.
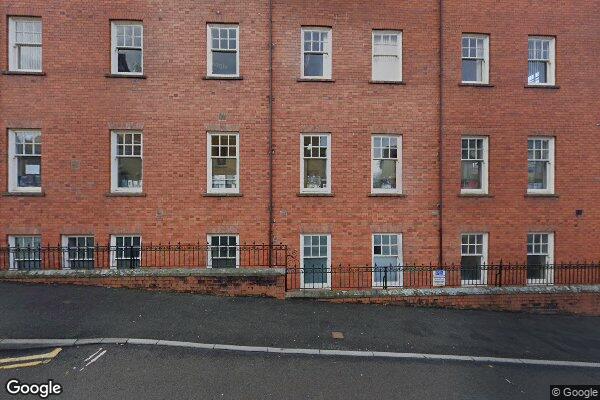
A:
{"x": 540, "y": 258}
{"x": 315, "y": 263}
{"x": 25, "y": 44}
{"x": 126, "y": 251}
{"x": 127, "y": 48}
{"x": 387, "y": 260}
{"x": 223, "y": 51}
{"x": 474, "y": 249}
{"x": 25, "y": 252}
{"x": 223, "y": 251}
{"x": 127, "y": 162}
{"x": 24, "y": 161}
{"x": 78, "y": 252}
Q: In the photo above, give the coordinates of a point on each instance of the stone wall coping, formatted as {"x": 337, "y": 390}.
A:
{"x": 454, "y": 291}
{"x": 144, "y": 272}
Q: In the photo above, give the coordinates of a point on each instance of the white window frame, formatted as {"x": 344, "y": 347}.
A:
{"x": 13, "y": 170}
{"x": 550, "y": 170}
{"x": 398, "y": 188}
{"x": 12, "y": 245}
{"x": 209, "y": 157}
{"x": 548, "y": 278}
{"x": 484, "y": 168}
{"x": 65, "y": 244}
{"x": 400, "y": 281}
{"x": 327, "y": 189}
{"x": 325, "y": 285}
{"x": 210, "y": 50}
{"x": 209, "y": 252}
{"x": 13, "y": 51}
{"x": 114, "y": 176}
{"x": 550, "y": 63}
{"x": 485, "y": 72}
{"x": 484, "y": 258}
{"x": 327, "y": 51}
{"x": 373, "y": 55}
{"x": 114, "y": 59}
{"x": 113, "y": 249}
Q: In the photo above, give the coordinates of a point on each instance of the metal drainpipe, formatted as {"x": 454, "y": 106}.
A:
{"x": 271, "y": 151}
{"x": 441, "y": 134}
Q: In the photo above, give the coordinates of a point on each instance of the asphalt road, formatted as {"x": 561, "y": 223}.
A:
{"x": 30, "y": 311}
{"x": 140, "y": 372}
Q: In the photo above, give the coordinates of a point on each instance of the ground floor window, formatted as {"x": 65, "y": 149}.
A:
{"x": 223, "y": 251}
{"x": 473, "y": 258}
{"x": 316, "y": 261}
{"x": 387, "y": 260}
{"x": 540, "y": 258}
{"x": 25, "y": 252}
{"x": 126, "y": 251}
{"x": 78, "y": 252}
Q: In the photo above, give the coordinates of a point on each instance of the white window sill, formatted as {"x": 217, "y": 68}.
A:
{"x": 474, "y": 193}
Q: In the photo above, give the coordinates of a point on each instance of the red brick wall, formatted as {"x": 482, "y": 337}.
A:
{"x": 257, "y": 286}
{"x": 351, "y": 110}
{"x": 509, "y": 113}
{"x": 548, "y": 303}
{"x": 75, "y": 105}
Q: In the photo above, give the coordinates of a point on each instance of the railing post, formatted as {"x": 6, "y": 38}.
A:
{"x": 385, "y": 278}
{"x": 499, "y": 275}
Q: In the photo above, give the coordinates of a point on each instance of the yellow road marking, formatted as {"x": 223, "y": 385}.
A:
{"x": 50, "y": 355}
{"x": 24, "y": 365}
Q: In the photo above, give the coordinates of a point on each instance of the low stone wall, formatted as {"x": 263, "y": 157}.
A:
{"x": 235, "y": 282}
{"x": 579, "y": 300}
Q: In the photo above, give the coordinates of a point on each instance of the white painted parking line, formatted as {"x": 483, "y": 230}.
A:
{"x": 308, "y": 351}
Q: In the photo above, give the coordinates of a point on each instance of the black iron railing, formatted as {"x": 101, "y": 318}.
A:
{"x": 144, "y": 256}
{"x": 429, "y": 276}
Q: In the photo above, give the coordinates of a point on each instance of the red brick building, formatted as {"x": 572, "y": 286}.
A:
{"x": 420, "y": 131}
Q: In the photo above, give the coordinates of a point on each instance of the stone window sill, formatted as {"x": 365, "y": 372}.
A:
{"x": 125, "y": 194}
{"x": 222, "y": 195}
{"x": 24, "y": 194}
{"x": 387, "y": 82}
{"x": 322, "y": 80}
{"x": 30, "y": 73}
{"x": 400, "y": 195}
{"x": 122, "y": 76}
{"x": 223, "y": 78}
{"x": 543, "y": 195}
{"x": 484, "y": 85}
{"x": 315, "y": 195}
{"x": 475, "y": 195}
{"x": 542, "y": 87}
